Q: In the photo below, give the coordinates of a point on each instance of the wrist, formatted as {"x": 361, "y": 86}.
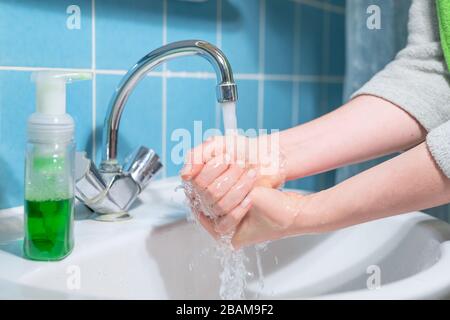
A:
{"x": 269, "y": 156}
{"x": 316, "y": 213}
{"x": 297, "y": 154}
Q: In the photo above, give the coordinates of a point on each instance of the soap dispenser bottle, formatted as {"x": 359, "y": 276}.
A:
{"x": 49, "y": 170}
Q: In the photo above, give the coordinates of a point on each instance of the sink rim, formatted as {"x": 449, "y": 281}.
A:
{"x": 435, "y": 284}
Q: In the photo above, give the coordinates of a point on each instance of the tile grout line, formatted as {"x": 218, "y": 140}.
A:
{"x": 94, "y": 80}
{"x": 219, "y": 45}
{"x": 189, "y": 74}
{"x": 20, "y": 68}
{"x": 295, "y": 112}
{"x": 164, "y": 96}
{"x": 262, "y": 31}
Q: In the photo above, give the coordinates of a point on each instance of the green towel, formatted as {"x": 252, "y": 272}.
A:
{"x": 443, "y": 8}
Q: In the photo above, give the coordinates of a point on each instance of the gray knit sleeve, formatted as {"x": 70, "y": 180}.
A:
{"x": 417, "y": 80}
{"x": 438, "y": 141}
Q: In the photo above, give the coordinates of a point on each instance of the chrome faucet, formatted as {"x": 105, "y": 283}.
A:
{"x": 111, "y": 190}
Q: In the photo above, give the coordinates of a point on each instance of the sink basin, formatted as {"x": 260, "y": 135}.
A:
{"x": 159, "y": 255}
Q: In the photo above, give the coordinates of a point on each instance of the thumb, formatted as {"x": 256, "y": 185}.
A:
{"x": 272, "y": 214}
{"x": 278, "y": 207}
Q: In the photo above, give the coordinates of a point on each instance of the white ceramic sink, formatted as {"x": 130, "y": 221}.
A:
{"x": 158, "y": 255}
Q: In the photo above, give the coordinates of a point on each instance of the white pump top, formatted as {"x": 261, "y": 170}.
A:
{"x": 51, "y": 90}
{"x": 50, "y": 122}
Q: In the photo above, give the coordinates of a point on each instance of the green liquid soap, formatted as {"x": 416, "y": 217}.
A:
{"x": 48, "y": 229}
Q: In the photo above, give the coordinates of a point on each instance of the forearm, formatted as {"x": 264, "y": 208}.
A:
{"x": 408, "y": 182}
{"x": 365, "y": 128}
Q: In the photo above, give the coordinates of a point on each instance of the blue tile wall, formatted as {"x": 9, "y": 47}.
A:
{"x": 278, "y": 105}
{"x": 188, "y": 101}
{"x": 279, "y": 37}
{"x": 311, "y": 53}
{"x": 337, "y": 51}
{"x": 240, "y": 34}
{"x": 34, "y": 33}
{"x": 190, "y": 20}
{"x": 122, "y": 39}
{"x": 339, "y": 3}
{"x": 277, "y": 49}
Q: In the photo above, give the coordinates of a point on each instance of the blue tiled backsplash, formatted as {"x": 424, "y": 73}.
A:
{"x": 287, "y": 56}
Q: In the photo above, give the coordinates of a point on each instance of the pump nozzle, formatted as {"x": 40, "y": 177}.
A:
{"x": 51, "y": 89}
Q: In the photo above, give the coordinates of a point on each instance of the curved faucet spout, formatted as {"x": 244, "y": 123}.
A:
{"x": 226, "y": 88}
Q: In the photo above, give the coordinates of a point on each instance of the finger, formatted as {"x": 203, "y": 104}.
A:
{"x": 228, "y": 223}
{"x": 236, "y": 194}
{"x": 216, "y": 190}
{"x": 210, "y": 172}
{"x": 200, "y": 155}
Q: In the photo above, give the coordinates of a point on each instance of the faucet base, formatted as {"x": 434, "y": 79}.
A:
{"x": 110, "y": 166}
{"x": 113, "y": 217}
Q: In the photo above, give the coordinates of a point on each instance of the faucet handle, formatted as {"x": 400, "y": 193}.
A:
{"x": 89, "y": 183}
{"x": 142, "y": 165}
{"x": 90, "y": 187}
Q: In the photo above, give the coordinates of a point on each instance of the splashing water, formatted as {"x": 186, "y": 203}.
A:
{"x": 260, "y": 248}
{"x": 233, "y": 278}
{"x": 234, "y": 273}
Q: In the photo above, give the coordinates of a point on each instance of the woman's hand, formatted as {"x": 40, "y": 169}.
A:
{"x": 224, "y": 171}
{"x": 269, "y": 214}
{"x": 220, "y": 173}
{"x": 217, "y": 164}
{"x": 238, "y": 189}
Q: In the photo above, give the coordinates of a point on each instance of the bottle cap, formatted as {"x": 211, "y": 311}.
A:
{"x": 50, "y": 122}
{"x": 51, "y": 90}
